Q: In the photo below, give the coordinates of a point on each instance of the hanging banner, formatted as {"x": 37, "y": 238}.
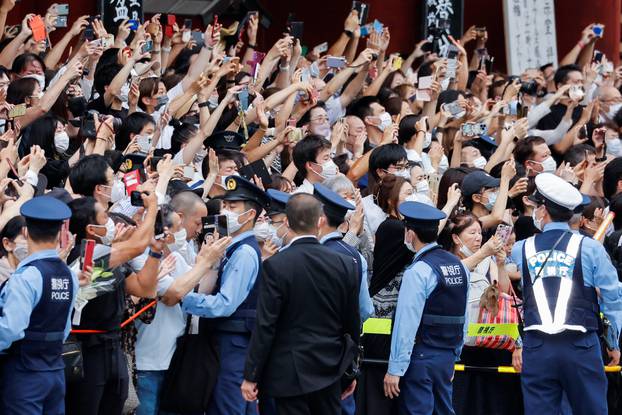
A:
{"x": 530, "y": 39}
{"x": 442, "y": 18}
{"x": 113, "y": 12}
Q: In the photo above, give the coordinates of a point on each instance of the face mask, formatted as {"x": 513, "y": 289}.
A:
{"x": 77, "y": 106}
{"x": 61, "y": 142}
{"x": 409, "y": 246}
{"x": 464, "y": 250}
{"x": 427, "y": 140}
{"x": 443, "y": 165}
{"x": 118, "y": 191}
{"x": 404, "y": 173}
{"x": 198, "y": 157}
{"x": 233, "y": 224}
{"x": 212, "y": 101}
{"x": 492, "y": 198}
{"x": 323, "y": 130}
{"x": 180, "y": 241}
{"x": 110, "y": 232}
{"x": 422, "y": 187}
{"x": 536, "y": 222}
{"x": 144, "y": 143}
{"x": 480, "y": 162}
{"x": 124, "y": 93}
{"x": 549, "y": 165}
{"x": 411, "y": 198}
{"x": 385, "y": 121}
{"x": 39, "y": 78}
{"x": 20, "y": 251}
{"x": 614, "y": 146}
{"x": 329, "y": 169}
{"x": 223, "y": 179}
{"x": 613, "y": 110}
{"x": 513, "y": 107}
{"x": 162, "y": 101}
{"x": 264, "y": 231}
{"x": 276, "y": 239}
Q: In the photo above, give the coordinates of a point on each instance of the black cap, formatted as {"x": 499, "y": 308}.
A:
{"x": 177, "y": 186}
{"x": 60, "y": 194}
{"x": 278, "y": 201}
{"x": 334, "y": 205}
{"x": 132, "y": 161}
{"x": 477, "y": 180}
{"x": 238, "y": 188}
{"x": 225, "y": 139}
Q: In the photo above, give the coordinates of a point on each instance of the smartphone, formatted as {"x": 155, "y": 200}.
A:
{"x": 337, "y": 62}
{"x": 598, "y": 56}
{"x": 134, "y": 24}
{"x": 62, "y": 9}
{"x": 467, "y": 129}
{"x": 144, "y": 143}
{"x": 189, "y": 172}
{"x": 523, "y": 112}
{"x": 17, "y": 111}
{"x": 321, "y": 48}
{"x": 598, "y": 30}
{"x": 162, "y": 222}
{"x": 86, "y": 253}
{"x": 503, "y": 232}
{"x": 198, "y": 38}
{"x": 366, "y": 30}
{"x": 213, "y": 223}
{"x": 188, "y": 24}
{"x": 87, "y": 125}
{"x": 489, "y": 62}
{"x": 147, "y": 47}
{"x": 89, "y": 33}
{"x": 454, "y": 109}
{"x": 397, "y": 63}
{"x": 296, "y": 29}
{"x": 154, "y": 162}
{"x": 38, "y": 28}
{"x": 61, "y": 21}
{"x": 362, "y": 9}
{"x": 481, "y": 31}
{"x": 257, "y": 168}
{"x": 378, "y": 26}
{"x": 295, "y": 135}
{"x": 243, "y": 97}
{"x": 107, "y": 42}
{"x": 136, "y": 199}
{"x": 64, "y": 234}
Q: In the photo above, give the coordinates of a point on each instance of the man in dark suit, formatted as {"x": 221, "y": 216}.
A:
{"x": 308, "y": 323}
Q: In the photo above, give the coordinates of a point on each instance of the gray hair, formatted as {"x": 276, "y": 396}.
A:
{"x": 340, "y": 183}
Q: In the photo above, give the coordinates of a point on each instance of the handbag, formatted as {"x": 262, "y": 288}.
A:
{"x": 496, "y": 308}
{"x": 72, "y": 357}
{"x": 192, "y": 374}
{"x": 354, "y": 368}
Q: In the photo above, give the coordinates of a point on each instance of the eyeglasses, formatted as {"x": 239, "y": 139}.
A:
{"x": 320, "y": 119}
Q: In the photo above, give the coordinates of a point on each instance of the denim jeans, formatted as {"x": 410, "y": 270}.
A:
{"x": 148, "y": 388}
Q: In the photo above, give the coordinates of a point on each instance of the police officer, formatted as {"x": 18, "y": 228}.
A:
{"x": 276, "y": 213}
{"x": 335, "y": 208}
{"x": 35, "y": 308}
{"x": 232, "y": 305}
{"x": 561, "y": 272}
{"x": 429, "y": 325}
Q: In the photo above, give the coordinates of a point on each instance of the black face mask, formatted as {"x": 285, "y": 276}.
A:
{"x": 77, "y": 106}
{"x": 191, "y": 119}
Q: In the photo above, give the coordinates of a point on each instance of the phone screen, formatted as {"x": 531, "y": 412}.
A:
{"x": 86, "y": 253}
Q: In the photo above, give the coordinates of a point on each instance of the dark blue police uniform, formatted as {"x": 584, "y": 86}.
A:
{"x": 35, "y": 307}
{"x": 429, "y": 324}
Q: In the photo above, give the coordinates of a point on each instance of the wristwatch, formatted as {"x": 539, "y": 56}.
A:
{"x": 156, "y": 255}
{"x": 349, "y": 33}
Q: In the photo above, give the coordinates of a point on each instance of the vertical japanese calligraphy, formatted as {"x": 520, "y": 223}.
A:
{"x": 115, "y": 11}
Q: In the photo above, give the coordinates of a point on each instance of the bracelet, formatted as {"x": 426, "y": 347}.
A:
{"x": 156, "y": 51}
{"x": 349, "y": 33}
{"x": 166, "y": 50}
{"x": 210, "y": 48}
{"x": 419, "y": 131}
{"x": 284, "y": 68}
{"x": 251, "y": 46}
{"x": 581, "y": 44}
{"x": 203, "y": 104}
{"x": 156, "y": 255}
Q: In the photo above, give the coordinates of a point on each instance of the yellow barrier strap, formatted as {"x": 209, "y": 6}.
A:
{"x": 486, "y": 330}
{"x": 459, "y": 367}
{"x": 377, "y": 326}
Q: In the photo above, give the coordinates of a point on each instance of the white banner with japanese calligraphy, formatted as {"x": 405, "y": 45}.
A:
{"x": 530, "y": 39}
{"x": 115, "y": 11}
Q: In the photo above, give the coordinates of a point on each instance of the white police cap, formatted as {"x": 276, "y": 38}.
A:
{"x": 558, "y": 191}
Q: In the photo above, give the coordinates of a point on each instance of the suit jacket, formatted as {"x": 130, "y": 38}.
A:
{"x": 308, "y": 302}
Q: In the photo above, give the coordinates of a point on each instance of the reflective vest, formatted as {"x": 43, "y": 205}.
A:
{"x": 557, "y": 300}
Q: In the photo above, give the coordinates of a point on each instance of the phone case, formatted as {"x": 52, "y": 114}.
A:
{"x": 38, "y": 28}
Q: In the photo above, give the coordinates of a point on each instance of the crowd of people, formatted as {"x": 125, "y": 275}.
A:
{"x": 304, "y": 230}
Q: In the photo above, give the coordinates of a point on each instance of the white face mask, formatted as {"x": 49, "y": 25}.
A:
{"x": 614, "y": 146}
{"x": 233, "y": 220}
{"x": 549, "y": 165}
{"x": 20, "y": 251}
{"x": 61, "y": 141}
{"x": 536, "y": 222}
{"x": 180, "y": 240}
{"x": 409, "y": 246}
{"x": 223, "y": 179}
{"x": 443, "y": 165}
{"x": 422, "y": 187}
{"x": 110, "y": 232}
{"x": 276, "y": 239}
{"x": 264, "y": 231}
{"x": 480, "y": 162}
{"x": 385, "y": 121}
{"x": 323, "y": 130}
{"x": 411, "y": 198}
{"x": 39, "y": 78}
{"x": 465, "y": 250}
{"x": 198, "y": 157}
{"x": 124, "y": 93}
{"x": 427, "y": 140}
{"x": 613, "y": 110}
{"x": 329, "y": 169}
{"x": 404, "y": 173}
{"x": 118, "y": 191}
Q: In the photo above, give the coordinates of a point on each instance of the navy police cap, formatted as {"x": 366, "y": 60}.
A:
{"x": 224, "y": 140}
{"x": 334, "y": 204}
{"x": 45, "y": 208}
{"x": 238, "y": 188}
{"x": 416, "y": 213}
{"x": 278, "y": 201}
